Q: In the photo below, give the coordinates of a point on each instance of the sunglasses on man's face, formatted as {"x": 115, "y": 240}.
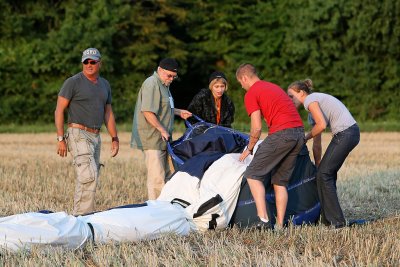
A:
{"x": 170, "y": 76}
{"x": 174, "y": 77}
{"x": 91, "y": 62}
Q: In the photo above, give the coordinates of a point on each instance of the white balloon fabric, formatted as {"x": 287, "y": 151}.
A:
{"x": 223, "y": 178}
{"x": 142, "y": 223}
{"x": 22, "y": 231}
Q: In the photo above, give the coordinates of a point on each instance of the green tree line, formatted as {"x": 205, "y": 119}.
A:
{"x": 350, "y": 49}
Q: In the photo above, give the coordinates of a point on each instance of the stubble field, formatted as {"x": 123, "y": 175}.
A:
{"x": 34, "y": 177}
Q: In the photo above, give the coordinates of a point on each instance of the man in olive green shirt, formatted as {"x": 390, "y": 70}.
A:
{"x": 153, "y": 123}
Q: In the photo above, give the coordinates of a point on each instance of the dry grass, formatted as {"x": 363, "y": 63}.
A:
{"x": 33, "y": 177}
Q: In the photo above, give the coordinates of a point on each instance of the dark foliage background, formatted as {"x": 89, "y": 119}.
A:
{"x": 348, "y": 48}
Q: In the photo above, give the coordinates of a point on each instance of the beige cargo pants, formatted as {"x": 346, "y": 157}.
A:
{"x": 85, "y": 149}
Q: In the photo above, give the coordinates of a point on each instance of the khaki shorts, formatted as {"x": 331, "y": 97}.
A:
{"x": 277, "y": 154}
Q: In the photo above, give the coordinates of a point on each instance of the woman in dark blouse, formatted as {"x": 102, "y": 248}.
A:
{"x": 212, "y": 104}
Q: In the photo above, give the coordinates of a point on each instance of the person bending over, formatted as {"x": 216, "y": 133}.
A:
{"x": 327, "y": 111}
{"x": 278, "y": 151}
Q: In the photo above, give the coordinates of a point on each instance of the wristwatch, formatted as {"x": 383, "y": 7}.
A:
{"x": 60, "y": 138}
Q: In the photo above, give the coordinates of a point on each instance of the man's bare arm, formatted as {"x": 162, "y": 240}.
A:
{"x": 62, "y": 104}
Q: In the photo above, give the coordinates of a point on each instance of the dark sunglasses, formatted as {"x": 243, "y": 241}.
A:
{"x": 91, "y": 62}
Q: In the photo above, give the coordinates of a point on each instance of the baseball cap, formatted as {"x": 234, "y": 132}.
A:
{"x": 215, "y": 75}
{"x": 169, "y": 64}
{"x": 91, "y": 53}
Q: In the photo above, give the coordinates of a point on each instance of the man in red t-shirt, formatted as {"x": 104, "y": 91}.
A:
{"x": 278, "y": 151}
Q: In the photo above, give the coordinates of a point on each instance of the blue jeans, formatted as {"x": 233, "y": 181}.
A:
{"x": 339, "y": 148}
